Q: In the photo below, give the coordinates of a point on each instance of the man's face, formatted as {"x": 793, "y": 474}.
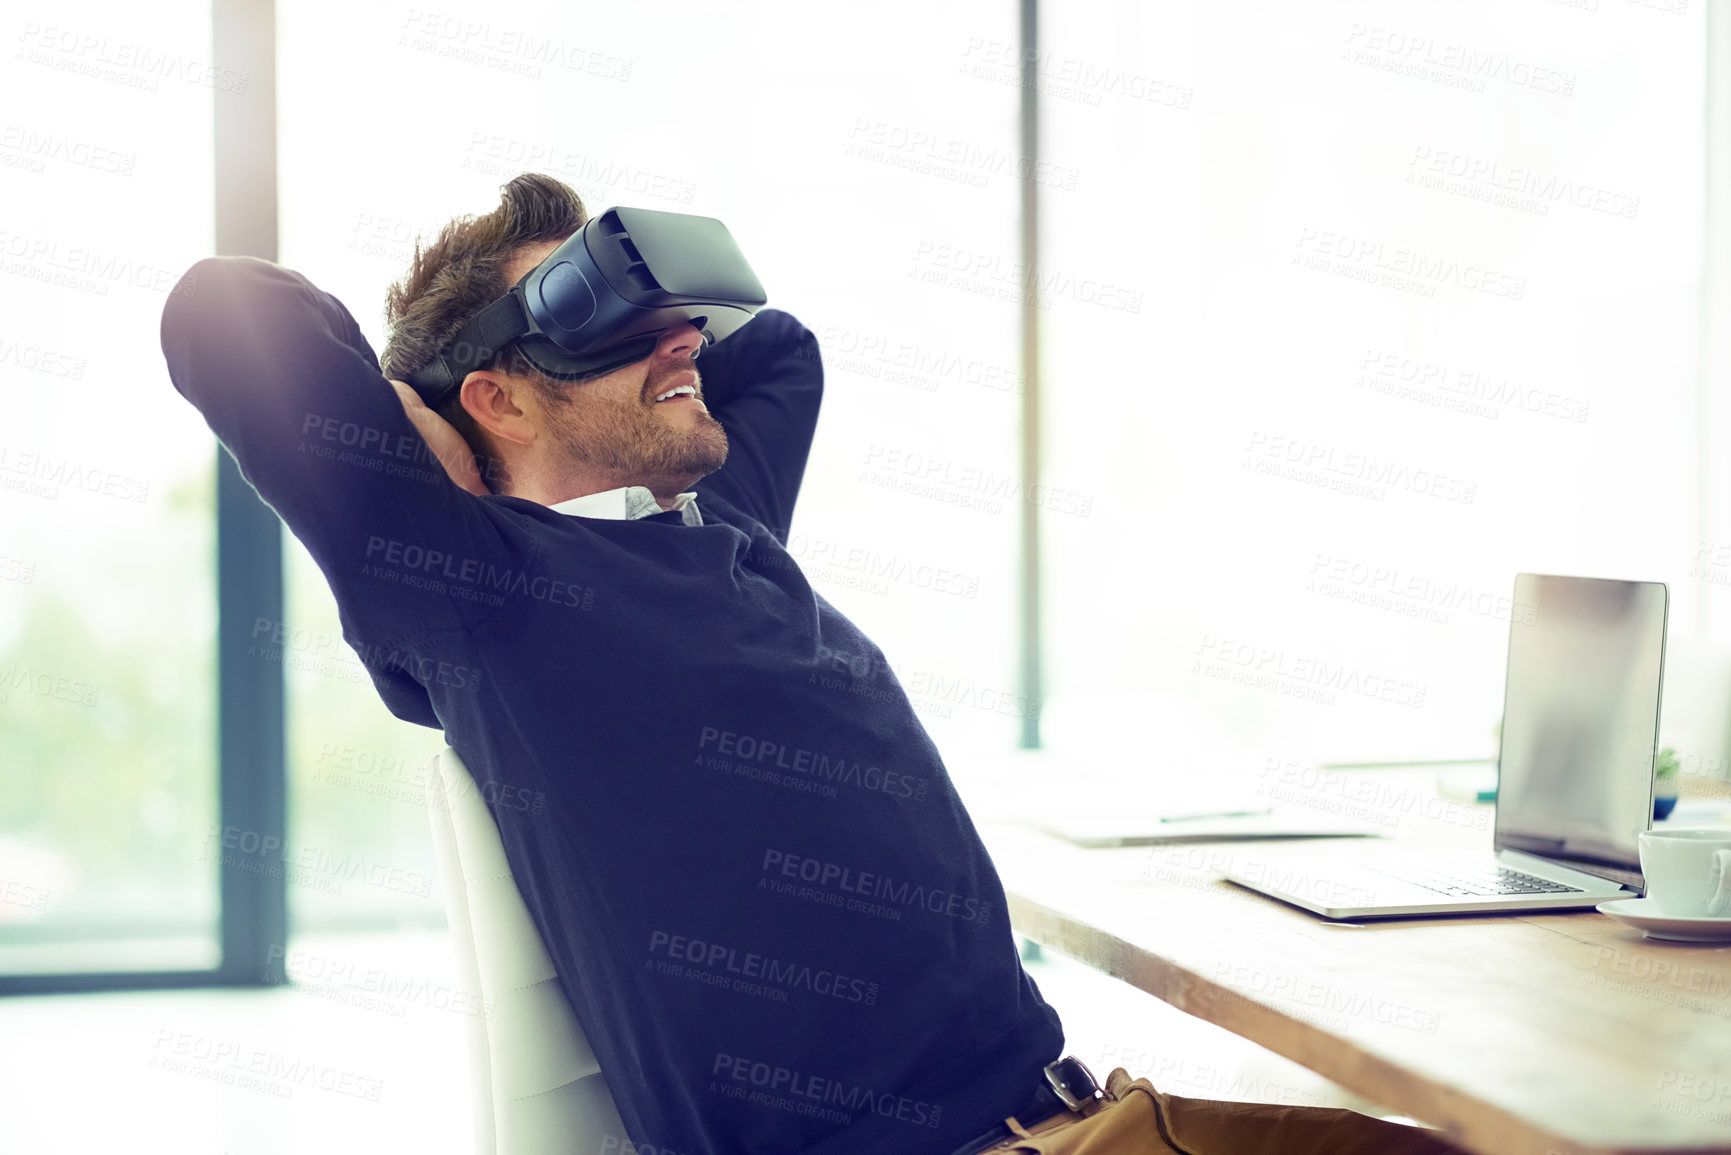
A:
{"x": 615, "y": 424}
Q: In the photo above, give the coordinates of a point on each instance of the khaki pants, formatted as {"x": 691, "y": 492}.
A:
{"x": 1136, "y": 1119}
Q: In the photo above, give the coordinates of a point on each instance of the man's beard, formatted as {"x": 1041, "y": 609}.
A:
{"x": 634, "y": 444}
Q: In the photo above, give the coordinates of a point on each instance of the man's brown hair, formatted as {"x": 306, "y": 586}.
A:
{"x": 461, "y": 272}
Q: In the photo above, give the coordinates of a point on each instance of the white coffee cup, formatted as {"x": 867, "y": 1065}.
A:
{"x": 1688, "y": 872}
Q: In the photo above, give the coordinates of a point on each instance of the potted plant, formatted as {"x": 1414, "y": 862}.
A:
{"x": 1666, "y": 769}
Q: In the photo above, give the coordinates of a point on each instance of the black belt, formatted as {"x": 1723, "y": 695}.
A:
{"x": 1069, "y": 1086}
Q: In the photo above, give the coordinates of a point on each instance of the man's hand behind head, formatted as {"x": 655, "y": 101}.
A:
{"x": 447, "y": 444}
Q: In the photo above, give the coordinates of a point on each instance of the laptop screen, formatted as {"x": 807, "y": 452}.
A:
{"x": 1581, "y": 717}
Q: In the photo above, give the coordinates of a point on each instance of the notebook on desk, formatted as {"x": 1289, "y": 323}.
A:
{"x": 1189, "y": 808}
{"x": 1105, "y": 830}
{"x": 1580, "y": 729}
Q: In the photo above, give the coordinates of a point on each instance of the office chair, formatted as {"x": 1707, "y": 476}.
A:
{"x": 537, "y": 1087}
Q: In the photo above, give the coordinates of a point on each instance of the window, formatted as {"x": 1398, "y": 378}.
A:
{"x": 108, "y": 815}
{"x": 1407, "y": 303}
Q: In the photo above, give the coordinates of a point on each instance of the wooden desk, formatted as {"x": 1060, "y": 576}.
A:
{"x": 1532, "y": 1035}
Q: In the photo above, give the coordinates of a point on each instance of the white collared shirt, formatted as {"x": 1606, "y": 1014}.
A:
{"x": 627, "y": 503}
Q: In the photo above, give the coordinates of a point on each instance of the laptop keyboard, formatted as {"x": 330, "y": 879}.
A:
{"x": 1469, "y": 882}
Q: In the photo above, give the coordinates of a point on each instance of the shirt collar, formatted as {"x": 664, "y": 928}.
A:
{"x": 627, "y": 503}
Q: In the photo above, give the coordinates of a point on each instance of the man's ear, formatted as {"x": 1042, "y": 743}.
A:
{"x": 492, "y": 397}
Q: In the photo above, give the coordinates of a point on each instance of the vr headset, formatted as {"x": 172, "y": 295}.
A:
{"x": 603, "y": 299}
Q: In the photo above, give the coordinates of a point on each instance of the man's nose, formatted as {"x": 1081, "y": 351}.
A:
{"x": 681, "y": 341}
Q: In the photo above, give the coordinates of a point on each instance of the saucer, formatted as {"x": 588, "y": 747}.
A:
{"x": 1643, "y": 914}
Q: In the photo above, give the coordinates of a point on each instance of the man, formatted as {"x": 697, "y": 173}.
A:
{"x": 740, "y": 869}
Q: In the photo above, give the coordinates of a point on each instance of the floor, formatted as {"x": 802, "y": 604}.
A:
{"x": 366, "y": 1052}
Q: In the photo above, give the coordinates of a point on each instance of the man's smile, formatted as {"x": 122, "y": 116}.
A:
{"x": 685, "y": 389}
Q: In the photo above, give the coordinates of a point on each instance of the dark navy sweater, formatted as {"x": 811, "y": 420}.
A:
{"x": 771, "y": 914}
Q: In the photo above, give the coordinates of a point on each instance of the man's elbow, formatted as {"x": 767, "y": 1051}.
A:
{"x": 209, "y": 303}
{"x": 804, "y": 344}
{"x": 209, "y": 287}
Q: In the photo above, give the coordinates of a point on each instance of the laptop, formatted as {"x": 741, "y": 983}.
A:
{"x": 1574, "y": 771}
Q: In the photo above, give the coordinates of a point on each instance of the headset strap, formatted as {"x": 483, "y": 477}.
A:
{"x": 487, "y": 332}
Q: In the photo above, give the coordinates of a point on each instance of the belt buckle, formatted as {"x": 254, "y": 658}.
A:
{"x": 1073, "y": 1082}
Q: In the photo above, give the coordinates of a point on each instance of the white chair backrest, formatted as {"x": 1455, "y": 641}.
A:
{"x": 538, "y": 1088}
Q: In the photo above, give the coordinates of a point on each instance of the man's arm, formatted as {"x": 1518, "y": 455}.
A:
{"x": 765, "y": 385}
{"x": 287, "y": 382}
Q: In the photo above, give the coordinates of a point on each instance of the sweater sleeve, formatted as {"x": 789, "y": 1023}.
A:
{"x": 287, "y": 382}
{"x": 765, "y": 385}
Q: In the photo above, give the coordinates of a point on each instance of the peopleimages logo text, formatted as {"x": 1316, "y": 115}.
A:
{"x": 779, "y": 756}
{"x": 855, "y": 881}
{"x": 714, "y": 956}
{"x": 810, "y": 1090}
